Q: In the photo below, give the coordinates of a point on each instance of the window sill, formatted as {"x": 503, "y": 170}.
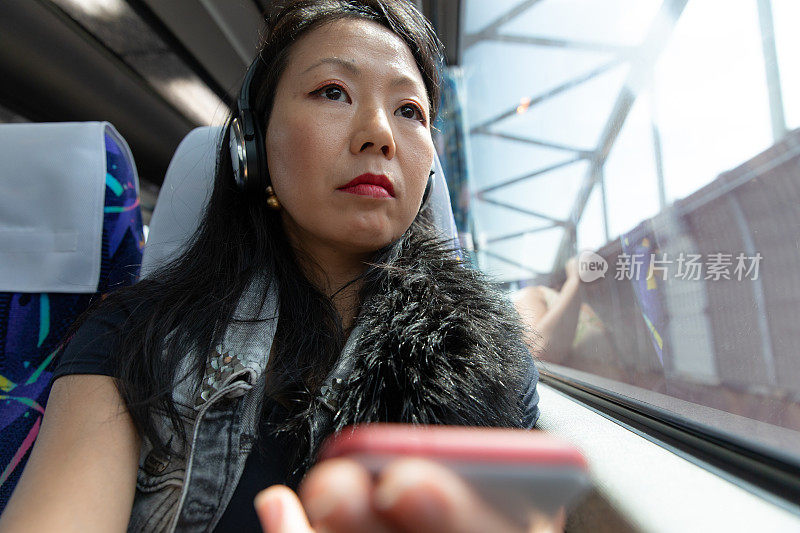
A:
{"x": 650, "y": 487}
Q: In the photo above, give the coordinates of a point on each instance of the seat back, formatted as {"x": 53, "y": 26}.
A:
{"x": 186, "y": 189}
{"x": 70, "y": 230}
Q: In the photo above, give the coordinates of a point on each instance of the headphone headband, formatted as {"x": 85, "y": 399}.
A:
{"x": 245, "y": 96}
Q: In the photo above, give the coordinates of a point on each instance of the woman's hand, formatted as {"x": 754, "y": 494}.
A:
{"x": 409, "y": 495}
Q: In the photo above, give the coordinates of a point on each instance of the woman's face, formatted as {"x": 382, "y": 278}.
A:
{"x": 348, "y": 142}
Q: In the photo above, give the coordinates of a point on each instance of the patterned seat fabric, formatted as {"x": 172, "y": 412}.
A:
{"x": 32, "y": 326}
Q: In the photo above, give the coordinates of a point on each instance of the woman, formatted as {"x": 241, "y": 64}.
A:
{"x": 314, "y": 295}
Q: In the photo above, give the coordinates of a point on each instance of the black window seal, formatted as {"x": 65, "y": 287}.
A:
{"x": 766, "y": 472}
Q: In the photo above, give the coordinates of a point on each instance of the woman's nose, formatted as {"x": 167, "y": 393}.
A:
{"x": 373, "y": 133}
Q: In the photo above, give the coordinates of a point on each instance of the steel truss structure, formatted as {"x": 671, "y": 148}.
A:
{"x": 641, "y": 61}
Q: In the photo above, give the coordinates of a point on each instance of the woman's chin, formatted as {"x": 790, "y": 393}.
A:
{"x": 368, "y": 240}
{"x": 366, "y": 245}
{"x": 370, "y": 234}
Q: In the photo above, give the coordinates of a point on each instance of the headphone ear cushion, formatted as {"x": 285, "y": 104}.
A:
{"x": 259, "y": 159}
{"x": 248, "y": 149}
{"x": 248, "y": 156}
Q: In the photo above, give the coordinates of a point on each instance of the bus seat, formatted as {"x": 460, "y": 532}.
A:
{"x": 187, "y": 187}
{"x": 70, "y": 229}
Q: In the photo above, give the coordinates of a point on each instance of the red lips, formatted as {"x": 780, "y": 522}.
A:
{"x": 374, "y": 185}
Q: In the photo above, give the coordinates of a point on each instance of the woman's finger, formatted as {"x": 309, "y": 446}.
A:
{"x": 422, "y": 496}
{"x": 337, "y": 497}
{"x": 280, "y": 511}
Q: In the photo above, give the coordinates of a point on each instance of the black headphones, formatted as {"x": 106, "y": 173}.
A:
{"x": 247, "y": 141}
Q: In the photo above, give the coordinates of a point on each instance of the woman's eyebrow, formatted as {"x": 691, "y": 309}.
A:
{"x": 348, "y": 65}
{"x": 398, "y": 81}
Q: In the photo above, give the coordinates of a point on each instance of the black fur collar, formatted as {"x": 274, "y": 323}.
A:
{"x": 436, "y": 344}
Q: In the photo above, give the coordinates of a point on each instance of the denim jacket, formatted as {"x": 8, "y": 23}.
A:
{"x": 189, "y": 489}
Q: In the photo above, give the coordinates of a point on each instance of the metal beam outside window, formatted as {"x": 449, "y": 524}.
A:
{"x": 771, "y": 69}
{"x": 530, "y": 102}
{"x": 491, "y": 29}
{"x": 657, "y": 153}
{"x": 555, "y": 221}
{"x": 530, "y": 175}
{"x": 617, "y": 49}
{"x": 640, "y": 73}
{"x": 520, "y": 234}
{"x": 585, "y": 154}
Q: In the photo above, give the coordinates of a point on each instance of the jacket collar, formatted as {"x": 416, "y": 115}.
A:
{"x": 244, "y": 351}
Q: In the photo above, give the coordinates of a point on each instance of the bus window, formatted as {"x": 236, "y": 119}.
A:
{"x": 657, "y": 143}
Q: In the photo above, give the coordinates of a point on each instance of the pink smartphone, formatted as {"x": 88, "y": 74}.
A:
{"x": 517, "y": 471}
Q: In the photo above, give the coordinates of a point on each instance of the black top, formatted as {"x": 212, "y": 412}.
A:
{"x": 268, "y": 463}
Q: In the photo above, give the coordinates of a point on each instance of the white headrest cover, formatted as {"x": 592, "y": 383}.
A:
{"x": 186, "y": 189}
{"x": 52, "y": 193}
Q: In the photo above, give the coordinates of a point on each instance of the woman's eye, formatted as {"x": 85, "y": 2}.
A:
{"x": 410, "y": 111}
{"x": 333, "y": 92}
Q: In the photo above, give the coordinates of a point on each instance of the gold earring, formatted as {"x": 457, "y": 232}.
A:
{"x": 272, "y": 199}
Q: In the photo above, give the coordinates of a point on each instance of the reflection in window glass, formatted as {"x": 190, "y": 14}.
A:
{"x": 663, "y": 137}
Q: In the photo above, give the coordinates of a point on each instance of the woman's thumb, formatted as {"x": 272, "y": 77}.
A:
{"x": 280, "y": 511}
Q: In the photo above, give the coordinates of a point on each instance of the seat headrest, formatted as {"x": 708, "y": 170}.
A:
{"x": 52, "y": 192}
{"x": 183, "y": 196}
{"x": 188, "y": 184}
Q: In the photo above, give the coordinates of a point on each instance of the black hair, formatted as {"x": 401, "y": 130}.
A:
{"x": 186, "y": 305}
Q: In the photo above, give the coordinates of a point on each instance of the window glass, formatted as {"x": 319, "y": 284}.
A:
{"x": 658, "y": 142}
